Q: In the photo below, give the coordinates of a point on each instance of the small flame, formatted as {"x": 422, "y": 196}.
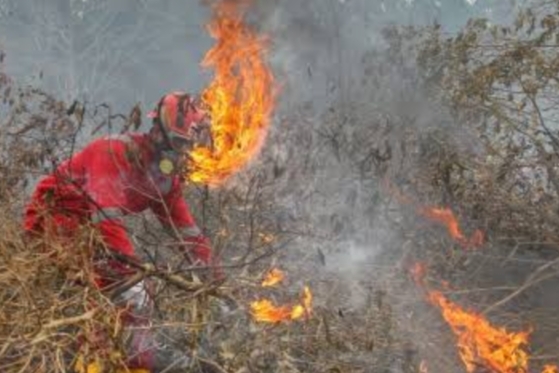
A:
{"x": 240, "y": 98}
{"x": 446, "y": 217}
{"x": 266, "y": 238}
{"x": 272, "y": 278}
{"x": 265, "y": 311}
{"x": 303, "y": 309}
{"x": 479, "y": 343}
{"x": 550, "y": 369}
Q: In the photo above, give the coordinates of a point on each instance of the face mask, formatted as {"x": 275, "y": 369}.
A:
{"x": 169, "y": 152}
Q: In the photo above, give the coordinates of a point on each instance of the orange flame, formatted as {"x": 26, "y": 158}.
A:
{"x": 550, "y": 369}
{"x": 240, "y": 98}
{"x": 272, "y": 278}
{"x": 446, "y": 217}
{"x": 305, "y": 307}
{"x": 479, "y": 343}
{"x": 265, "y": 311}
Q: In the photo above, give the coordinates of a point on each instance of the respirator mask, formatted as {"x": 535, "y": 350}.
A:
{"x": 172, "y": 153}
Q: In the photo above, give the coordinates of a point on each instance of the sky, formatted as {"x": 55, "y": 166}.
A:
{"x": 128, "y": 51}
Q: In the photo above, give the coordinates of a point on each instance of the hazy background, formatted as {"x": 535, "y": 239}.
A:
{"x": 125, "y": 51}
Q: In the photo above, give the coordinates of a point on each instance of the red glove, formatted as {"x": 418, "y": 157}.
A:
{"x": 200, "y": 249}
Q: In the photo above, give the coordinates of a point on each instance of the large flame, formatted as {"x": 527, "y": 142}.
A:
{"x": 446, "y": 217}
{"x": 265, "y": 311}
{"x": 240, "y": 98}
{"x": 480, "y": 343}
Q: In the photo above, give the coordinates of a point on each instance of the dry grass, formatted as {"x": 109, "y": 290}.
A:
{"x": 44, "y": 310}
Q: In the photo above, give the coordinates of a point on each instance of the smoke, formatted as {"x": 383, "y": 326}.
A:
{"x": 338, "y": 92}
{"x": 340, "y": 98}
{"x": 345, "y": 111}
{"x": 344, "y": 98}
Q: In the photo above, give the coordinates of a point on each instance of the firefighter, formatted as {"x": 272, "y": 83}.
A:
{"x": 119, "y": 175}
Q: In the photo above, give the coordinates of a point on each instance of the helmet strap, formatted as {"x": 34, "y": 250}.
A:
{"x": 162, "y": 129}
{"x": 180, "y": 111}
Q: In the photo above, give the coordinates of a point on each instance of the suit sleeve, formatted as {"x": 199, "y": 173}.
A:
{"x": 173, "y": 212}
{"x": 104, "y": 164}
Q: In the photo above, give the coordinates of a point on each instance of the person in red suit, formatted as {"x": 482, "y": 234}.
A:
{"x": 119, "y": 175}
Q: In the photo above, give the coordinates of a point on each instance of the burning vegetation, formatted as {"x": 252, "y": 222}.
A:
{"x": 479, "y": 343}
{"x": 264, "y": 310}
{"x": 273, "y": 278}
{"x": 240, "y": 97}
{"x": 499, "y": 198}
{"x": 446, "y": 217}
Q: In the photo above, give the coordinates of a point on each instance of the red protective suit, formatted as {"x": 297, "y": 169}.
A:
{"x": 112, "y": 177}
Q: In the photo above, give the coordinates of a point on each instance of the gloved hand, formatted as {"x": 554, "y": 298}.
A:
{"x": 199, "y": 250}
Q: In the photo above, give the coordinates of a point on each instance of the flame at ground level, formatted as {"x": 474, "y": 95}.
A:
{"x": 443, "y": 216}
{"x": 272, "y": 278}
{"x": 240, "y": 98}
{"x": 265, "y": 311}
{"x": 305, "y": 307}
{"x": 446, "y": 217}
{"x": 481, "y": 344}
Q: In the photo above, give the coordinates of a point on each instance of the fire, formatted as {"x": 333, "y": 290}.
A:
{"x": 481, "y": 344}
{"x": 240, "y": 99}
{"x": 303, "y": 309}
{"x": 446, "y": 217}
{"x": 265, "y": 311}
{"x": 272, "y": 278}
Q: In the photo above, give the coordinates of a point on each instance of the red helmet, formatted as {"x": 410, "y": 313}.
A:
{"x": 178, "y": 116}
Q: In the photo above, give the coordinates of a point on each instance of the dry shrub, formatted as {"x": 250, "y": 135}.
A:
{"x": 49, "y": 305}
{"x": 511, "y": 279}
{"x": 48, "y": 302}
